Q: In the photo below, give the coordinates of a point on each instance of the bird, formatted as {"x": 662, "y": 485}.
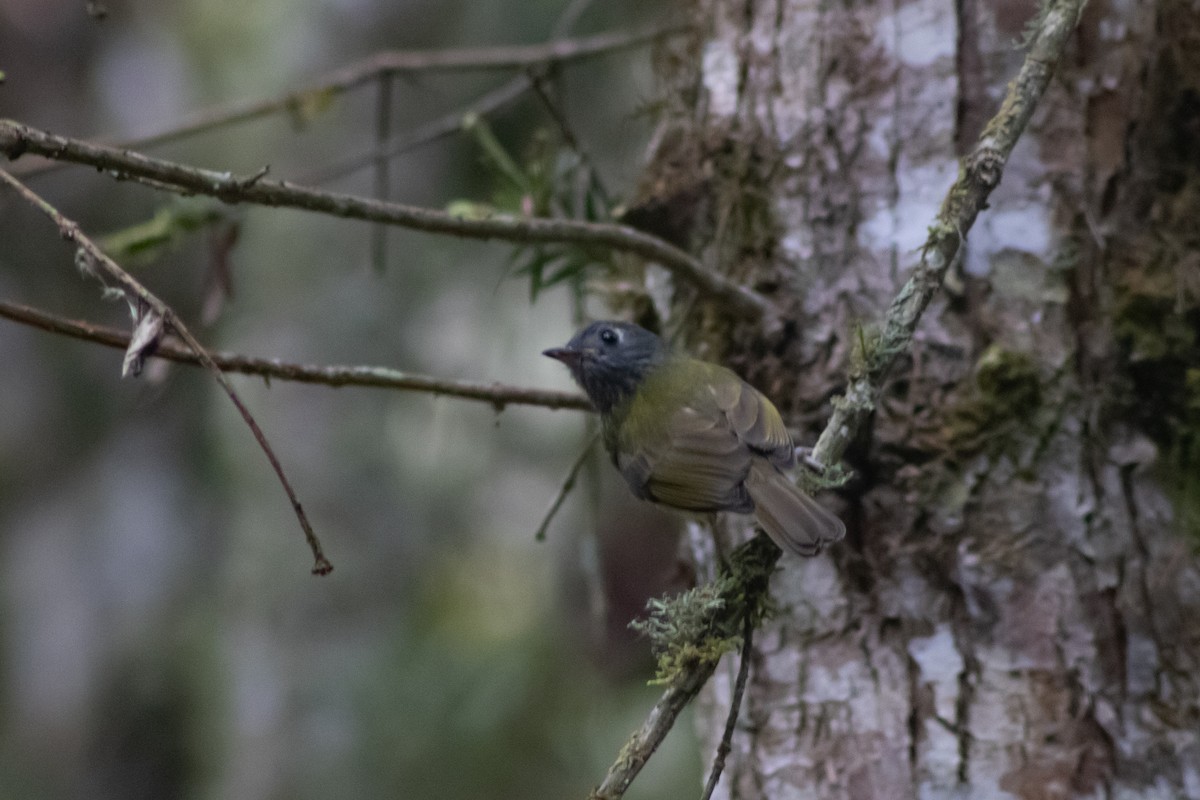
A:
{"x": 692, "y": 435}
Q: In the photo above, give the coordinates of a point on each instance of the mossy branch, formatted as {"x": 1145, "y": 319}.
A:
{"x": 693, "y": 634}
{"x": 980, "y": 174}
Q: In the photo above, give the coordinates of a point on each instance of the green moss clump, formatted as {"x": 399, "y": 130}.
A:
{"x": 684, "y": 630}
{"x": 1156, "y": 322}
{"x": 1009, "y": 381}
{"x": 1179, "y": 436}
{"x": 1151, "y": 330}
{"x": 1007, "y": 392}
{"x": 1182, "y": 457}
{"x": 695, "y": 628}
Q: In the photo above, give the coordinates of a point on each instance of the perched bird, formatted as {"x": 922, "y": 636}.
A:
{"x": 693, "y": 435}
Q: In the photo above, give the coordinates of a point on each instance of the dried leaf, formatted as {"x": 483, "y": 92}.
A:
{"x": 112, "y": 294}
{"x": 304, "y": 107}
{"x": 218, "y": 284}
{"x": 85, "y": 264}
{"x": 145, "y": 340}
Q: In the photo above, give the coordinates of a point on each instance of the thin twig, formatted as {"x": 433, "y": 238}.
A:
{"x": 451, "y": 122}
{"x": 426, "y": 133}
{"x": 495, "y": 394}
{"x": 96, "y": 258}
{"x": 17, "y": 139}
{"x": 538, "y": 81}
{"x": 383, "y": 173}
{"x": 565, "y": 489}
{"x": 569, "y": 16}
{"x": 981, "y": 173}
{"x": 735, "y": 706}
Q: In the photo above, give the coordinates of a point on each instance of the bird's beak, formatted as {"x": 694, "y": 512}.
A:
{"x": 566, "y": 355}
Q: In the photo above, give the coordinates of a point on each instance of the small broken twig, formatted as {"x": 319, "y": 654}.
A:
{"x": 735, "y": 706}
{"x": 567, "y": 485}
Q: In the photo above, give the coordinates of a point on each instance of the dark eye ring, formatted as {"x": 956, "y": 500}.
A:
{"x": 609, "y": 336}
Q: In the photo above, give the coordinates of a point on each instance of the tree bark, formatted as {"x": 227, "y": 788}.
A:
{"x": 1014, "y": 612}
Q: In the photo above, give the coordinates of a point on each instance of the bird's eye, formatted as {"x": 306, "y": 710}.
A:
{"x": 609, "y": 336}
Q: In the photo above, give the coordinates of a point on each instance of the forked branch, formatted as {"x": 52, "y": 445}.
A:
{"x": 156, "y": 316}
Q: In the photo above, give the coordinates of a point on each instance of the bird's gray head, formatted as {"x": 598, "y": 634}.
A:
{"x": 610, "y": 359}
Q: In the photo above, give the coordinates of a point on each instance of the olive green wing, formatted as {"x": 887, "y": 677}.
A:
{"x": 753, "y": 418}
{"x": 693, "y": 462}
{"x": 796, "y": 522}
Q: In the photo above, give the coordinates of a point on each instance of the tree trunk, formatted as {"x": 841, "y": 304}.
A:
{"x": 1016, "y": 609}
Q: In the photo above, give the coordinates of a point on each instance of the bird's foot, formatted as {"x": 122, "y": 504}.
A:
{"x": 804, "y": 455}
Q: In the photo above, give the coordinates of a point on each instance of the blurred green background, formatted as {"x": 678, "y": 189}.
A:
{"x": 160, "y": 633}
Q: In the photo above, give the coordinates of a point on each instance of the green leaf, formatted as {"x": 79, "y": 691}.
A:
{"x": 494, "y": 153}
{"x": 304, "y": 107}
{"x": 145, "y": 241}
{"x": 469, "y": 209}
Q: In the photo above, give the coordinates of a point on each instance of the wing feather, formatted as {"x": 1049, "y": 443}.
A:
{"x": 699, "y": 457}
{"x": 754, "y": 419}
{"x": 697, "y": 464}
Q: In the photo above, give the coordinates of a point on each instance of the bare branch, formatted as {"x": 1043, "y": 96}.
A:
{"x": 512, "y": 57}
{"x": 542, "y": 92}
{"x": 423, "y": 134}
{"x": 17, "y": 139}
{"x": 383, "y": 171}
{"x": 91, "y": 257}
{"x": 406, "y": 61}
{"x": 497, "y": 395}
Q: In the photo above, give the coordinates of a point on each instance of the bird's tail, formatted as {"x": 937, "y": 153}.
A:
{"x": 796, "y": 522}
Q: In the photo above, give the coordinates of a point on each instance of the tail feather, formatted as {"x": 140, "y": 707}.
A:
{"x": 795, "y": 521}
